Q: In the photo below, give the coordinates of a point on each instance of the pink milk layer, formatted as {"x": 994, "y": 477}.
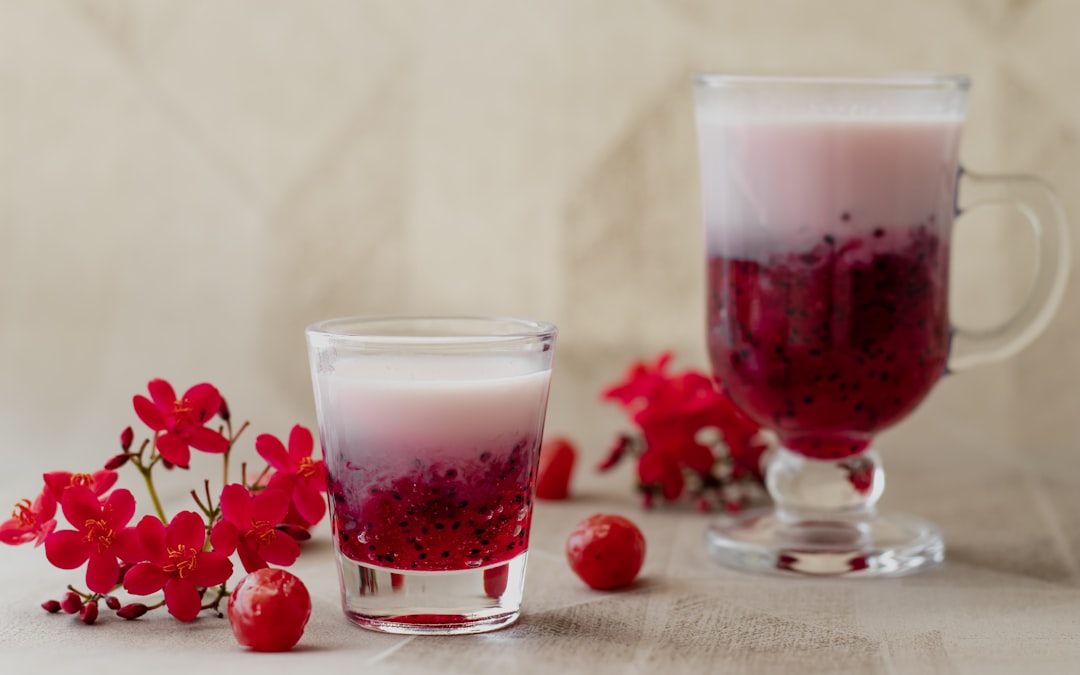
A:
{"x": 432, "y": 460}
{"x": 828, "y": 271}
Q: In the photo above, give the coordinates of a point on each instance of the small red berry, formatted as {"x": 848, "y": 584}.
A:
{"x": 51, "y": 606}
{"x": 606, "y": 551}
{"x": 71, "y": 603}
{"x": 88, "y": 614}
{"x": 269, "y": 609}
{"x": 557, "y": 458}
{"x": 132, "y": 611}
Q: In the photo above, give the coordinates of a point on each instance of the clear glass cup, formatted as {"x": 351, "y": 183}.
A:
{"x": 431, "y": 430}
{"x": 829, "y": 206}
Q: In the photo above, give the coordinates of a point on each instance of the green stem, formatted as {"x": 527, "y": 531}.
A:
{"x": 153, "y": 494}
{"x": 145, "y": 470}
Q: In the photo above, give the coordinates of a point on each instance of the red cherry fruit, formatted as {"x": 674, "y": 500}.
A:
{"x": 556, "y": 464}
{"x": 606, "y": 551}
{"x": 269, "y": 609}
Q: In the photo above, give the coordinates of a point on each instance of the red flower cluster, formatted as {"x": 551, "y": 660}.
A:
{"x": 186, "y": 556}
{"x": 693, "y": 438}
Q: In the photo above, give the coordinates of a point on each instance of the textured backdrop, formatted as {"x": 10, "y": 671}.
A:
{"x": 184, "y": 185}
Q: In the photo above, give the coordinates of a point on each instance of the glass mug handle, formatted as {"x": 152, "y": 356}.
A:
{"x": 1040, "y": 206}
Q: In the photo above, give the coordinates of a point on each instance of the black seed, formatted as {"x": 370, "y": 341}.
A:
{"x": 510, "y": 546}
{"x": 859, "y": 407}
{"x": 845, "y": 216}
{"x": 422, "y": 556}
{"x": 446, "y": 554}
{"x": 396, "y": 496}
{"x": 403, "y": 523}
{"x": 485, "y": 456}
{"x": 829, "y": 239}
{"x": 879, "y": 233}
{"x": 484, "y": 542}
{"x": 452, "y": 473}
{"x": 479, "y": 531}
{"x": 456, "y": 525}
{"x": 439, "y": 526}
{"x": 462, "y": 504}
{"x": 808, "y": 400}
{"x": 475, "y": 551}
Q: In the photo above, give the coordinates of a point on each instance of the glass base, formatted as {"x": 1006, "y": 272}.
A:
{"x": 878, "y": 546}
{"x": 432, "y": 603}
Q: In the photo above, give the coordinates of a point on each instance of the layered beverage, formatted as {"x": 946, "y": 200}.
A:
{"x": 828, "y": 259}
{"x": 431, "y": 458}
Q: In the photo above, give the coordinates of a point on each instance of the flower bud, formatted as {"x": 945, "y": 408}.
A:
{"x": 167, "y": 464}
{"x": 127, "y": 436}
{"x": 51, "y": 606}
{"x": 132, "y": 611}
{"x": 223, "y": 410}
{"x": 117, "y": 461}
{"x": 112, "y": 602}
{"x": 71, "y": 603}
{"x": 89, "y": 612}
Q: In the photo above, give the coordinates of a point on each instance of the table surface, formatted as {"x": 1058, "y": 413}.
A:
{"x": 1005, "y": 601}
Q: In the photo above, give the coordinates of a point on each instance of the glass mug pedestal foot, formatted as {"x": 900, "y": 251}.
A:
{"x": 825, "y": 524}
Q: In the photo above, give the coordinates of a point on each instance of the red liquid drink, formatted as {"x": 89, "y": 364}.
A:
{"x": 828, "y": 264}
{"x": 832, "y": 344}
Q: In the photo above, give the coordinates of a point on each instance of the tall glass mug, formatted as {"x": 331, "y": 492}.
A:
{"x": 829, "y": 207}
{"x": 431, "y": 432}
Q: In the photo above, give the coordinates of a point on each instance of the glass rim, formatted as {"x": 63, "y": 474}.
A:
{"x": 897, "y": 82}
{"x": 351, "y": 329}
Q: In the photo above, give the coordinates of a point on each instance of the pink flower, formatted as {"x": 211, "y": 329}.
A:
{"x": 100, "y": 536}
{"x": 30, "y": 521}
{"x": 297, "y": 473}
{"x": 181, "y": 422}
{"x": 248, "y": 526}
{"x": 177, "y": 563}
{"x": 99, "y": 482}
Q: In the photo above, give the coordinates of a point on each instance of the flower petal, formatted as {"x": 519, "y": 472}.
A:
{"x": 224, "y": 537}
{"x": 163, "y": 394}
{"x": 119, "y": 508}
{"x": 235, "y": 505}
{"x": 80, "y": 505}
{"x": 270, "y": 505}
{"x": 144, "y": 579}
{"x": 149, "y": 413}
{"x": 128, "y": 547}
{"x": 67, "y": 550}
{"x": 271, "y": 449}
{"x": 56, "y": 482}
{"x": 187, "y": 528}
{"x": 151, "y": 533}
{"x": 102, "y": 572}
{"x": 182, "y": 599}
{"x": 13, "y": 533}
{"x": 205, "y": 399}
{"x": 103, "y": 480}
{"x": 211, "y": 569}
{"x": 207, "y": 440}
{"x": 249, "y": 558}
{"x": 174, "y": 449}
{"x": 310, "y": 504}
{"x": 301, "y": 444}
{"x": 280, "y": 549}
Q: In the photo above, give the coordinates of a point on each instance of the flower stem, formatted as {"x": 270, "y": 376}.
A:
{"x": 153, "y": 494}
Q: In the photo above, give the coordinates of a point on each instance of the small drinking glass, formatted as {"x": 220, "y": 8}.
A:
{"x": 829, "y": 207}
{"x": 431, "y": 430}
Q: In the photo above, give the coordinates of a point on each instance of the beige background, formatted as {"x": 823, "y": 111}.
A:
{"x": 185, "y": 184}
